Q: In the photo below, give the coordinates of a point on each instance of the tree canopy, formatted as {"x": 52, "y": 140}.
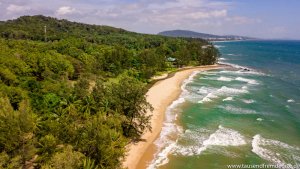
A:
{"x": 74, "y": 97}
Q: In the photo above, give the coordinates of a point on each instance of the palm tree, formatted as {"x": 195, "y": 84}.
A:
{"x": 88, "y": 105}
{"x": 69, "y": 105}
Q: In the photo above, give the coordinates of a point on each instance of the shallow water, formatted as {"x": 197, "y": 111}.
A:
{"x": 238, "y": 116}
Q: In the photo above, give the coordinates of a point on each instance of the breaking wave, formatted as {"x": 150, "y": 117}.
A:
{"x": 250, "y": 81}
{"x": 238, "y": 110}
{"x": 275, "y": 151}
{"x": 223, "y": 91}
{"x": 194, "y": 142}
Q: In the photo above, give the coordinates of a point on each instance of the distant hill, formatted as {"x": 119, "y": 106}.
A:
{"x": 32, "y": 27}
{"x": 192, "y": 34}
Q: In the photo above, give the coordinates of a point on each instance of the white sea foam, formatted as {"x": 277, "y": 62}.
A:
{"x": 221, "y": 137}
{"x": 248, "y": 101}
{"x": 162, "y": 156}
{"x": 185, "y": 94}
{"x": 245, "y": 87}
{"x": 222, "y": 59}
{"x": 176, "y": 102}
{"x": 290, "y": 101}
{"x": 200, "y": 140}
{"x": 205, "y": 78}
{"x": 275, "y": 151}
{"x": 205, "y": 90}
{"x": 186, "y": 81}
{"x": 208, "y": 98}
{"x": 223, "y": 91}
{"x": 233, "y": 65}
{"x": 241, "y": 70}
{"x": 219, "y": 46}
{"x": 164, "y": 143}
{"x": 225, "y": 137}
{"x": 205, "y": 99}
{"x": 221, "y": 78}
{"x": 208, "y": 73}
{"x": 195, "y": 141}
{"x": 226, "y": 79}
{"x": 259, "y": 119}
{"x": 190, "y": 141}
{"x": 228, "y": 99}
{"x": 237, "y": 110}
{"x": 227, "y": 90}
{"x": 250, "y": 81}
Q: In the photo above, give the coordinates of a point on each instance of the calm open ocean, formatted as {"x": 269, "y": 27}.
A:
{"x": 227, "y": 117}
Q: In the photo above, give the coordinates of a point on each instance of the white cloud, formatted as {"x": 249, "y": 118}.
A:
{"x": 207, "y": 14}
{"x": 169, "y": 12}
{"x": 243, "y": 20}
{"x": 12, "y": 8}
{"x": 64, "y": 10}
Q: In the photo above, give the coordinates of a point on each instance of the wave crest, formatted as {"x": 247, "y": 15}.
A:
{"x": 275, "y": 151}
{"x": 223, "y": 91}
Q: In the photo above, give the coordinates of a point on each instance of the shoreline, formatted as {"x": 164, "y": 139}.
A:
{"x": 160, "y": 95}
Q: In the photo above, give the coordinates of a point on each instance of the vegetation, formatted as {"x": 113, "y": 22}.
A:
{"x": 75, "y": 96}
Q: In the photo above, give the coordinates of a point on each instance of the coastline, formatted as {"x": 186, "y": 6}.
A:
{"x": 160, "y": 96}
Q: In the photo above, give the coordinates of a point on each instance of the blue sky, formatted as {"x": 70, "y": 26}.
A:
{"x": 256, "y": 18}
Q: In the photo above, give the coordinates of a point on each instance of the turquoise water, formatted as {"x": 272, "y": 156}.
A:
{"x": 248, "y": 115}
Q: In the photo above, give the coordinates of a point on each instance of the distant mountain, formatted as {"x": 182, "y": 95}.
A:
{"x": 192, "y": 34}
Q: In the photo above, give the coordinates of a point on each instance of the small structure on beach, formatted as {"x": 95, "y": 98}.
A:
{"x": 206, "y": 46}
{"x": 171, "y": 59}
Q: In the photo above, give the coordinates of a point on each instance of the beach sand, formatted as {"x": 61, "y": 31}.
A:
{"x": 160, "y": 96}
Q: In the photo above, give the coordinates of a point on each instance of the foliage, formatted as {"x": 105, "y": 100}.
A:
{"x": 99, "y": 139}
{"x": 17, "y": 129}
{"x": 128, "y": 97}
{"x": 89, "y": 164}
{"x": 67, "y": 159}
{"x": 75, "y": 97}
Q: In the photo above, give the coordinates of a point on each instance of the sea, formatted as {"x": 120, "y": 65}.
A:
{"x": 245, "y": 116}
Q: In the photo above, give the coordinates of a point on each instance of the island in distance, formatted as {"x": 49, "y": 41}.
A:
{"x": 210, "y": 37}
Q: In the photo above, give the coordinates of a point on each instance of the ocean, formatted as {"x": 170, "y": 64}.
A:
{"x": 249, "y": 115}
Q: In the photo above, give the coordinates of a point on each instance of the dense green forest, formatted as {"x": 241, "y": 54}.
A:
{"x": 73, "y": 96}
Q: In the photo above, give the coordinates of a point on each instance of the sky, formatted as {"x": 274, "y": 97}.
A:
{"x": 269, "y": 19}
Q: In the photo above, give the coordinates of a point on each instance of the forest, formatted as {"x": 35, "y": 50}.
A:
{"x": 72, "y": 95}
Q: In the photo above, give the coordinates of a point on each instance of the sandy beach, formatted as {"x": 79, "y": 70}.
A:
{"x": 160, "y": 96}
